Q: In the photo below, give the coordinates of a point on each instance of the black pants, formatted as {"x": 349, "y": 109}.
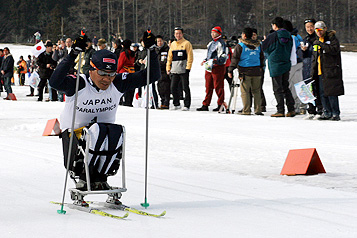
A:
{"x": 41, "y": 86}
{"x": 22, "y": 79}
{"x": 128, "y": 98}
{"x": 175, "y": 79}
{"x": 78, "y": 167}
{"x": 163, "y": 87}
{"x": 282, "y": 91}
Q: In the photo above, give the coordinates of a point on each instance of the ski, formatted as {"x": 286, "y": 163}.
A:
{"x": 128, "y": 209}
{"x": 92, "y": 210}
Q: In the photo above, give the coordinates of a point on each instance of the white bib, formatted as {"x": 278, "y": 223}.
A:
{"x": 91, "y": 104}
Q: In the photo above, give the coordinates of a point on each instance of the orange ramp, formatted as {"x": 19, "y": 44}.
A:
{"x": 302, "y": 162}
{"x": 52, "y": 128}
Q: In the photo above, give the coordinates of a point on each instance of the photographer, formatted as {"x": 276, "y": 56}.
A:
{"x": 46, "y": 67}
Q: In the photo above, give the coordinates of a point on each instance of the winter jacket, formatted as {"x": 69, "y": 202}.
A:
{"x": 309, "y": 39}
{"x": 43, "y": 59}
{"x": 88, "y": 54}
{"x": 217, "y": 51}
{"x": 125, "y": 63}
{"x": 141, "y": 56}
{"x": 8, "y": 66}
{"x": 248, "y": 57}
{"x": 230, "y": 54}
{"x": 330, "y": 58}
{"x": 180, "y": 57}
{"x": 22, "y": 67}
{"x": 278, "y": 46}
{"x": 162, "y": 52}
{"x": 308, "y": 55}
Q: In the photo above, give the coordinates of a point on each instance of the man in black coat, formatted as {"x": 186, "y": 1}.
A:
{"x": 7, "y": 71}
{"x": 164, "y": 83}
{"x": 327, "y": 70}
{"x": 46, "y": 67}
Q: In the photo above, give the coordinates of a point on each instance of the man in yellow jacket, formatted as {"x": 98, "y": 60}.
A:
{"x": 179, "y": 63}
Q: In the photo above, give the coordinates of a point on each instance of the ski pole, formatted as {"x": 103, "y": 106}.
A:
{"x": 61, "y": 211}
{"x": 145, "y": 203}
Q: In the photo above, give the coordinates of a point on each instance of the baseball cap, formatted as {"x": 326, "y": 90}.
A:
{"x": 320, "y": 25}
{"x": 104, "y": 60}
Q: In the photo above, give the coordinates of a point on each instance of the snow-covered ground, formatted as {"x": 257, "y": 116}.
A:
{"x": 216, "y": 175}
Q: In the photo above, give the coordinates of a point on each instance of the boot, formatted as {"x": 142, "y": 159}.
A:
{"x": 278, "y": 114}
{"x": 203, "y": 108}
{"x": 217, "y": 108}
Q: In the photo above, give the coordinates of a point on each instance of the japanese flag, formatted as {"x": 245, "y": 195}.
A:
{"x": 38, "y": 49}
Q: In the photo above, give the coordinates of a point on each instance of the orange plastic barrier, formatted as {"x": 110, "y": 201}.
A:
{"x": 302, "y": 162}
{"x": 52, "y": 128}
{"x": 12, "y": 97}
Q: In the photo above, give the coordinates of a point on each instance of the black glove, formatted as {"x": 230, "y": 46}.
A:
{"x": 79, "y": 44}
{"x": 187, "y": 71}
{"x": 149, "y": 39}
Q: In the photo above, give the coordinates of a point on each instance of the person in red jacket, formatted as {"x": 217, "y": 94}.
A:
{"x": 126, "y": 65}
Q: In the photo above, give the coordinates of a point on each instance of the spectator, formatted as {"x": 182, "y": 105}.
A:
{"x": 165, "y": 82}
{"x": 327, "y": 69}
{"x": 126, "y": 65}
{"x": 102, "y": 44}
{"x": 179, "y": 63}
{"x": 68, "y": 44}
{"x": 1, "y": 76}
{"x": 95, "y": 42}
{"x": 21, "y": 70}
{"x": 214, "y": 74}
{"x": 314, "y": 110}
{"x": 117, "y": 48}
{"x": 295, "y": 75}
{"x": 46, "y": 66}
{"x": 263, "y": 100}
{"x": 30, "y": 69}
{"x": 61, "y": 50}
{"x": 88, "y": 54}
{"x": 278, "y": 46}
{"x": 137, "y": 53}
{"x": 249, "y": 58}
{"x": 228, "y": 63}
{"x": 7, "y": 70}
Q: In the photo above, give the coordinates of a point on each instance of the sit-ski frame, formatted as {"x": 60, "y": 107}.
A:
{"x": 86, "y": 153}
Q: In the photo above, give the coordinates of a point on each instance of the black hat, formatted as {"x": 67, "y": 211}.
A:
{"x": 126, "y": 44}
{"x": 49, "y": 44}
{"x": 104, "y": 60}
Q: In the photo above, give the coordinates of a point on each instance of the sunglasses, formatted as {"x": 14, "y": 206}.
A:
{"x": 103, "y": 73}
{"x": 318, "y": 29}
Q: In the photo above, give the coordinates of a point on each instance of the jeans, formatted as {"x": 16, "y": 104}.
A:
{"x": 330, "y": 104}
{"x": 7, "y": 85}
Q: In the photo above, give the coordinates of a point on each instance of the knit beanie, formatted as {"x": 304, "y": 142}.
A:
{"x": 217, "y": 29}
